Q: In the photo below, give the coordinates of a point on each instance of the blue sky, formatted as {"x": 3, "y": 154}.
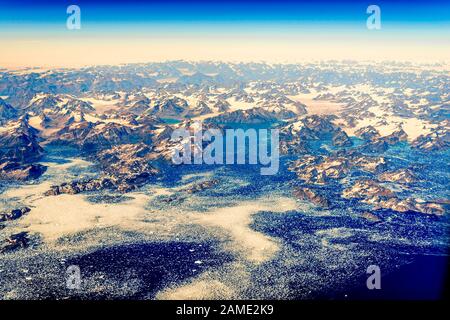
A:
{"x": 47, "y": 18}
{"x": 319, "y": 23}
{"x": 101, "y": 11}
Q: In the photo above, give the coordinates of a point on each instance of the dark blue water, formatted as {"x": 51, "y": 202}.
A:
{"x": 170, "y": 120}
{"x": 426, "y": 277}
{"x": 154, "y": 264}
{"x": 127, "y": 271}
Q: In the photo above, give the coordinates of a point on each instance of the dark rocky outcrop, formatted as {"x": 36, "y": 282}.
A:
{"x": 89, "y": 136}
{"x": 76, "y": 187}
{"x": 341, "y": 139}
{"x": 367, "y": 133}
{"x": 311, "y": 195}
{"x": 16, "y": 171}
{"x": 250, "y": 116}
{"x": 295, "y": 135}
{"x": 14, "y": 214}
{"x": 7, "y": 112}
{"x": 168, "y": 107}
{"x": 200, "y": 109}
{"x": 370, "y": 216}
{"x": 15, "y": 241}
{"x": 19, "y": 142}
{"x": 321, "y": 169}
{"x": 366, "y": 189}
{"x": 395, "y": 137}
{"x": 374, "y": 146}
{"x": 39, "y": 104}
{"x": 319, "y": 124}
{"x": 399, "y": 176}
{"x": 222, "y": 106}
{"x": 125, "y": 168}
{"x": 296, "y": 146}
{"x": 19, "y": 148}
{"x": 434, "y": 141}
{"x": 197, "y": 187}
{"x": 381, "y": 197}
